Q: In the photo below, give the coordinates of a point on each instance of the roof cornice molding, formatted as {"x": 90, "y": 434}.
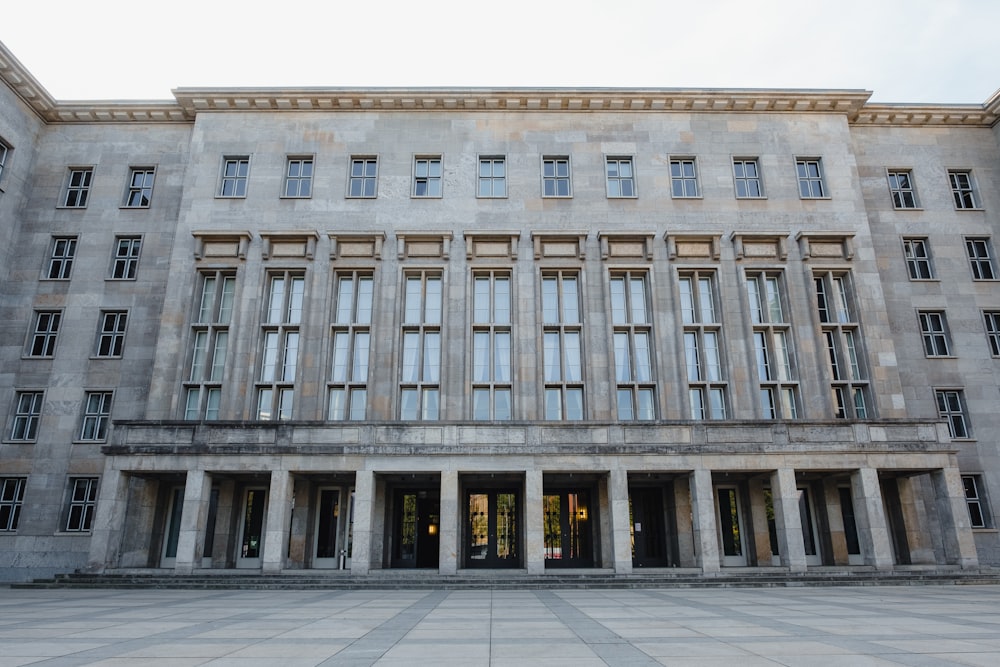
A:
{"x": 913, "y": 115}
{"x": 23, "y": 84}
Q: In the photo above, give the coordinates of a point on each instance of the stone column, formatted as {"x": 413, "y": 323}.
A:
{"x": 364, "y": 508}
{"x": 191, "y": 539}
{"x": 448, "y": 523}
{"x": 706, "y": 540}
{"x": 758, "y": 522}
{"x": 621, "y": 534}
{"x": 279, "y": 507}
{"x": 915, "y": 521}
{"x": 869, "y": 512}
{"x": 788, "y": 520}
{"x": 835, "y": 522}
{"x": 534, "y": 522}
{"x": 953, "y": 517}
{"x": 109, "y": 519}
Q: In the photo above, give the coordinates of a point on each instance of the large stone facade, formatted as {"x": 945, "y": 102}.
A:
{"x": 526, "y": 329}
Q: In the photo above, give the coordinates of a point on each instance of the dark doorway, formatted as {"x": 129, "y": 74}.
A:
{"x": 492, "y": 528}
{"x": 415, "y": 525}
{"x": 568, "y": 520}
{"x": 647, "y": 516}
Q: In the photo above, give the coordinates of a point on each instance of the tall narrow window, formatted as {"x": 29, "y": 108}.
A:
{"x": 633, "y": 346}
{"x": 210, "y": 330}
{"x": 702, "y": 346}
{"x": 975, "y": 500}
{"x": 562, "y": 339}
{"x": 621, "y": 179}
{"x": 298, "y": 177}
{"x": 420, "y": 372}
{"x": 96, "y": 415}
{"x": 42, "y": 341}
{"x": 235, "y": 173}
{"x": 427, "y": 176}
{"x": 810, "y": 173}
{"x": 918, "y": 259}
{"x": 4, "y": 153}
{"x": 139, "y": 191}
{"x": 111, "y": 333}
{"x": 280, "y": 345}
{"x": 61, "y": 255}
{"x": 934, "y": 330}
{"x": 27, "y": 412}
{"x": 980, "y": 258}
{"x": 126, "y": 259}
{"x": 772, "y": 346}
{"x": 364, "y": 178}
{"x": 746, "y": 176}
{"x": 991, "y": 318}
{"x": 951, "y": 408}
{"x": 841, "y": 335}
{"x": 555, "y": 177}
{"x": 82, "y": 501}
{"x": 683, "y": 178}
{"x": 351, "y": 331}
{"x": 901, "y": 189}
{"x": 11, "y": 497}
{"x": 78, "y": 187}
{"x": 491, "y": 346}
{"x": 492, "y": 177}
{"x": 963, "y": 189}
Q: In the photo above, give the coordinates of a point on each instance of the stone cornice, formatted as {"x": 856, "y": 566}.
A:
{"x": 976, "y": 115}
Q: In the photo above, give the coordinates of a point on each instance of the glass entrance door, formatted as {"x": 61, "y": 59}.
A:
{"x": 731, "y": 526}
{"x": 567, "y": 529}
{"x": 809, "y": 534}
{"x": 648, "y": 527}
{"x": 854, "y": 556}
{"x": 251, "y": 543}
{"x": 491, "y": 529}
{"x": 327, "y": 554}
{"x": 172, "y": 529}
{"x": 416, "y": 519}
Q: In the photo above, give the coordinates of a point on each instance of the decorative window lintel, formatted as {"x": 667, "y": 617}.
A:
{"x": 826, "y": 245}
{"x": 566, "y": 245}
{"x": 693, "y": 246}
{"x": 492, "y": 244}
{"x": 356, "y": 246}
{"x": 435, "y": 245}
{"x": 760, "y": 245}
{"x": 289, "y": 244}
{"x": 625, "y": 245}
{"x": 221, "y": 244}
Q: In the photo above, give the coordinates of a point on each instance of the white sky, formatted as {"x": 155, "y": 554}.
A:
{"x": 938, "y": 51}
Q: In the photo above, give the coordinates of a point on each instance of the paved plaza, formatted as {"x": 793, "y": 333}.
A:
{"x": 856, "y": 626}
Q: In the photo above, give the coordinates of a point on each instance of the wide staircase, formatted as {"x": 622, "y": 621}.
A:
{"x": 512, "y": 580}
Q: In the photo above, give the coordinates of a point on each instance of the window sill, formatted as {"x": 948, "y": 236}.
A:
{"x": 975, "y": 208}
{"x": 907, "y": 208}
{"x": 71, "y": 533}
{"x": 738, "y": 198}
{"x": 72, "y": 208}
{"x": 985, "y": 530}
{"x": 230, "y": 197}
{"x": 815, "y": 198}
{"x": 133, "y": 208}
{"x": 292, "y": 197}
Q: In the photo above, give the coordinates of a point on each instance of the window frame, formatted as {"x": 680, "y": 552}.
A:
{"x": 773, "y": 343}
{"x": 364, "y": 178}
{"x": 631, "y": 323}
{"x": 556, "y": 178}
{"x": 64, "y": 262}
{"x": 487, "y": 379}
{"x": 48, "y": 336}
{"x": 683, "y": 179}
{"x": 492, "y": 179}
{"x": 288, "y": 179}
{"x": 236, "y": 180}
{"x": 131, "y": 190}
{"x": 618, "y": 179}
{"x": 914, "y": 262}
{"x": 758, "y": 179}
{"x": 11, "y": 501}
{"x": 429, "y": 179}
{"x": 977, "y": 499}
{"x": 78, "y": 192}
{"x": 558, "y": 374}
{"x": 934, "y": 332}
{"x": 128, "y": 262}
{"x": 425, "y": 378}
{"x": 5, "y": 151}
{"x": 700, "y": 357}
{"x": 94, "y": 423}
{"x": 899, "y": 192}
{"x": 991, "y": 322}
{"x": 115, "y": 337}
{"x": 30, "y": 417}
{"x": 809, "y": 180}
{"x": 211, "y": 319}
{"x": 842, "y": 340}
{"x": 977, "y": 261}
{"x": 964, "y": 197}
{"x": 949, "y": 414}
{"x": 353, "y": 321}
{"x": 275, "y": 377}
{"x": 86, "y": 505}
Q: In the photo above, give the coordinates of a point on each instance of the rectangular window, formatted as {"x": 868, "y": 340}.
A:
{"x": 420, "y": 369}
{"x": 354, "y": 297}
{"x": 975, "y": 500}
{"x": 235, "y": 173}
{"x": 934, "y": 329}
{"x": 427, "y": 176}
{"x": 980, "y": 258}
{"x": 61, "y": 255}
{"x": 683, "y": 178}
{"x": 96, "y": 415}
{"x": 556, "y": 177}
{"x": 209, "y": 345}
{"x": 901, "y": 189}
{"x": 810, "y": 173}
{"x": 562, "y": 351}
{"x": 491, "y": 346}
{"x": 963, "y": 189}
{"x": 951, "y": 408}
{"x": 991, "y": 318}
{"x": 492, "y": 177}
{"x": 633, "y": 346}
{"x": 4, "y": 154}
{"x": 841, "y": 336}
{"x": 42, "y": 341}
{"x": 918, "y": 259}
{"x": 298, "y": 177}
{"x": 111, "y": 333}
{"x": 11, "y": 497}
{"x": 280, "y": 345}
{"x": 746, "y": 176}
{"x": 27, "y": 412}
{"x": 772, "y": 335}
{"x": 78, "y": 187}
{"x": 139, "y": 191}
{"x": 82, "y": 501}
{"x": 364, "y": 178}
{"x": 702, "y": 346}
{"x": 621, "y": 178}
{"x": 126, "y": 259}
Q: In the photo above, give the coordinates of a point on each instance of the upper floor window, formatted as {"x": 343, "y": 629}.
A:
{"x": 126, "y": 259}
{"x": 963, "y": 189}
{"x": 746, "y": 176}
{"x": 951, "y": 408}
{"x": 111, "y": 333}
{"x": 621, "y": 179}
{"x": 772, "y": 346}
{"x": 918, "y": 259}
{"x": 420, "y": 370}
{"x": 683, "y": 178}
{"x": 975, "y": 500}
{"x": 298, "y": 177}
{"x": 491, "y": 346}
{"x": 209, "y": 345}
{"x": 61, "y": 255}
{"x": 632, "y": 339}
{"x": 492, "y": 177}
{"x": 901, "y": 188}
{"x": 351, "y": 330}
{"x": 96, "y": 416}
{"x": 427, "y": 176}
{"x": 27, "y": 412}
{"x": 78, "y": 187}
{"x": 279, "y": 356}
{"x": 841, "y": 335}
{"x": 810, "y": 174}
{"x": 81, "y": 504}
{"x": 139, "y": 191}
{"x": 991, "y": 319}
{"x": 4, "y": 154}
{"x": 235, "y": 173}
{"x": 11, "y": 497}
{"x": 42, "y": 342}
{"x": 702, "y": 345}
{"x": 934, "y": 330}
{"x": 556, "y": 177}
{"x": 363, "y": 181}
{"x": 562, "y": 336}
{"x": 980, "y": 258}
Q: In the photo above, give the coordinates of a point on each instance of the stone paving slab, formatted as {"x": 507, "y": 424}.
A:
{"x": 814, "y": 627}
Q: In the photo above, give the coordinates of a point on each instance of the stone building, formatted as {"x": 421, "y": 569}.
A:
{"x": 601, "y": 329}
